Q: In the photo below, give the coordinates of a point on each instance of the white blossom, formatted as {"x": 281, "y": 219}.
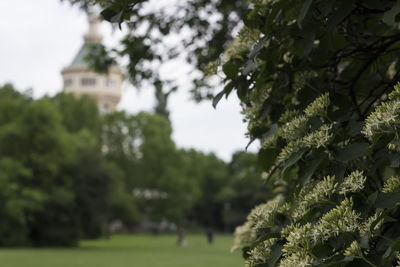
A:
{"x": 318, "y": 107}
{"x": 353, "y": 182}
{"x": 392, "y": 185}
{"x": 353, "y": 250}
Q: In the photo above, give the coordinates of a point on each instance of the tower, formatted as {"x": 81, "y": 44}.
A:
{"x": 80, "y": 79}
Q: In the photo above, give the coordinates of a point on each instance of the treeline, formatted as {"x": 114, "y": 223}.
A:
{"x": 67, "y": 173}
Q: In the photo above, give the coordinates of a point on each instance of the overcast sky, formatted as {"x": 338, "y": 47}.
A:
{"x": 38, "y": 38}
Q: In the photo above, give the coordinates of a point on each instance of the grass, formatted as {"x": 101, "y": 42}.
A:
{"x": 129, "y": 250}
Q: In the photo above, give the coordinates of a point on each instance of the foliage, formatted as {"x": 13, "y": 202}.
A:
{"x": 309, "y": 74}
{"x": 154, "y": 169}
{"x": 51, "y": 170}
{"x": 210, "y": 173}
{"x": 315, "y": 79}
{"x": 243, "y": 190}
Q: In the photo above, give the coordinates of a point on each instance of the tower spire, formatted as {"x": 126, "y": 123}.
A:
{"x": 93, "y": 35}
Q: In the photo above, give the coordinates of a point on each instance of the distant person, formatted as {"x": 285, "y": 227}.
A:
{"x": 210, "y": 235}
{"x": 181, "y": 236}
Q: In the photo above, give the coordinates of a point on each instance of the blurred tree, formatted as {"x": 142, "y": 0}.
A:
{"x": 244, "y": 188}
{"x": 78, "y": 113}
{"x": 36, "y": 141}
{"x": 142, "y": 147}
{"x": 210, "y": 173}
{"x": 15, "y": 201}
{"x": 56, "y": 184}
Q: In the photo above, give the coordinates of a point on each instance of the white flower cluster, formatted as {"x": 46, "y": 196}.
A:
{"x": 211, "y": 68}
{"x": 394, "y": 145}
{"x": 269, "y": 141}
{"x": 320, "y": 192}
{"x": 353, "y": 182}
{"x": 316, "y": 139}
{"x": 398, "y": 259}
{"x": 262, "y": 216}
{"x": 338, "y": 220}
{"x": 245, "y": 39}
{"x": 298, "y": 259}
{"x": 291, "y": 148}
{"x": 366, "y": 226}
{"x": 243, "y": 235}
{"x": 288, "y": 115}
{"x": 319, "y": 138}
{"x": 384, "y": 119}
{"x": 395, "y": 93}
{"x": 318, "y": 107}
{"x": 260, "y": 253}
{"x": 353, "y": 250}
{"x": 299, "y": 243}
{"x": 298, "y": 239}
{"x": 294, "y": 128}
{"x": 392, "y": 185}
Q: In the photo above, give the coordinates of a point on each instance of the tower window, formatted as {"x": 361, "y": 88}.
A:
{"x": 88, "y": 81}
{"x": 68, "y": 82}
{"x": 110, "y": 82}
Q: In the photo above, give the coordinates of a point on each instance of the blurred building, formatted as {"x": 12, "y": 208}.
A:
{"x": 79, "y": 79}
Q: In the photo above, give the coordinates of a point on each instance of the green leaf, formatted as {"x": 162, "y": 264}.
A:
{"x": 311, "y": 167}
{"x": 390, "y": 16}
{"x": 395, "y": 160}
{"x": 231, "y": 69}
{"x": 340, "y": 14}
{"x": 322, "y": 250}
{"x": 227, "y": 90}
{"x": 217, "y": 98}
{"x": 390, "y": 250}
{"x": 303, "y": 12}
{"x": 353, "y": 151}
{"x": 308, "y": 41}
{"x": 364, "y": 241}
{"x": 380, "y": 217}
{"x": 372, "y": 198}
{"x": 266, "y": 237}
{"x": 276, "y": 253}
{"x": 292, "y": 160}
{"x": 266, "y": 158}
{"x": 387, "y": 200}
{"x": 354, "y": 128}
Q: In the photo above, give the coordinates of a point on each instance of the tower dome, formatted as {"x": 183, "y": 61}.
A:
{"x": 80, "y": 79}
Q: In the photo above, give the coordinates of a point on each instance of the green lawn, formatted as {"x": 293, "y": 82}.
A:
{"x": 129, "y": 250}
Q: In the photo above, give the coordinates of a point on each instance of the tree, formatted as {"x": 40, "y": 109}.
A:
{"x": 78, "y": 113}
{"x": 154, "y": 169}
{"x": 211, "y": 175}
{"x": 316, "y": 81}
{"x": 56, "y": 186}
{"x": 243, "y": 190}
{"x": 36, "y": 198}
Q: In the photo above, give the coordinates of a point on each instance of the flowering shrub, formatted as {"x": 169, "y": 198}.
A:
{"x": 317, "y": 83}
